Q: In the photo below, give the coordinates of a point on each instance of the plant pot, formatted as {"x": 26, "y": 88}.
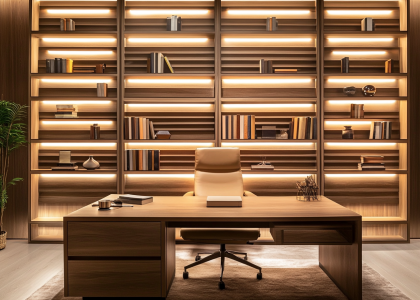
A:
{"x": 3, "y": 236}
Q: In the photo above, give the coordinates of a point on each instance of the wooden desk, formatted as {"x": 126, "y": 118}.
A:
{"x": 130, "y": 252}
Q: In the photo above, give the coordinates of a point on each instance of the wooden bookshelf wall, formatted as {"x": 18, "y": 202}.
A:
{"x": 215, "y": 58}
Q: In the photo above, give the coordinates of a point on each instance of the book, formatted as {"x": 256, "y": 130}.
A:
{"x": 63, "y": 65}
{"x": 268, "y": 66}
{"x": 367, "y": 24}
{"x": 357, "y": 111}
{"x": 375, "y": 159}
{"x": 63, "y": 24}
{"x": 168, "y": 64}
{"x": 133, "y": 199}
{"x": 142, "y": 160}
{"x": 102, "y": 90}
{"x": 178, "y": 23}
{"x": 262, "y": 66}
{"x": 168, "y": 23}
{"x": 388, "y": 66}
{"x": 152, "y": 130}
{"x": 224, "y": 201}
{"x": 380, "y": 130}
{"x": 69, "y": 65}
{"x": 345, "y": 65}
{"x": 49, "y": 65}
{"x": 57, "y": 65}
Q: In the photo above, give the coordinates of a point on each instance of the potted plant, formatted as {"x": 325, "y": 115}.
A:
{"x": 12, "y": 136}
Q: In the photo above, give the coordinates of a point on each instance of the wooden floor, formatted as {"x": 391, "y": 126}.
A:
{"x": 26, "y": 267}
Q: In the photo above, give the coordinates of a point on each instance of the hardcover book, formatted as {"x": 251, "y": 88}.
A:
{"x": 224, "y": 201}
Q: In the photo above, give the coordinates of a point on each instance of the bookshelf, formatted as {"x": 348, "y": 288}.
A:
{"x": 216, "y": 61}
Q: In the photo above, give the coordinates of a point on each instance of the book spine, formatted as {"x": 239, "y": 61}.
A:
{"x": 262, "y": 65}
{"x": 149, "y": 160}
{"x": 245, "y": 127}
{"x": 152, "y": 62}
{"x": 345, "y": 65}
{"x": 267, "y": 24}
{"x": 223, "y": 127}
{"x": 253, "y": 127}
{"x": 269, "y": 69}
{"x": 249, "y": 127}
{"x": 152, "y": 130}
{"x": 62, "y": 24}
{"x": 178, "y": 24}
{"x": 157, "y": 160}
{"x": 315, "y": 135}
{"x": 69, "y": 65}
{"x": 147, "y": 129}
{"x": 63, "y": 65}
{"x": 372, "y": 129}
{"x": 168, "y": 23}
{"x": 48, "y": 65}
{"x": 241, "y": 122}
{"x": 133, "y": 128}
{"x": 102, "y": 90}
{"x": 273, "y": 24}
{"x": 237, "y": 120}
{"x": 58, "y": 65}
{"x": 173, "y": 23}
{"x": 308, "y": 128}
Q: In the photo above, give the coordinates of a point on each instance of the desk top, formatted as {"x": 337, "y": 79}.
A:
{"x": 194, "y": 209}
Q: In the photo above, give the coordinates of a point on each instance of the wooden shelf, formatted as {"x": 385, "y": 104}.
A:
{"x": 92, "y": 33}
{"x": 64, "y": 98}
{"x": 73, "y": 75}
{"x": 365, "y": 75}
{"x": 385, "y": 239}
{"x": 375, "y": 98}
{"x": 34, "y": 141}
{"x": 306, "y": 75}
{"x": 355, "y": 171}
{"x": 265, "y": 33}
{"x": 269, "y": 141}
{"x": 170, "y": 141}
{"x": 47, "y": 220}
{"x": 365, "y": 141}
{"x": 398, "y": 220}
{"x": 81, "y": 170}
{"x": 394, "y": 34}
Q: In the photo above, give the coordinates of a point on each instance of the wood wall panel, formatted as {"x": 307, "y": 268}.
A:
{"x": 14, "y": 68}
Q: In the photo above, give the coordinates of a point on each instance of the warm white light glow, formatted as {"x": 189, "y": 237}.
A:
{"x": 359, "y": 12}
{"x": 192, "y": 175}
{"x": 80, "y": 175}
{"x": 362, "y": 101}
{"x": 230, "y": 144}
{"x": 265, "y": 40}
{"x": 80, "y": 52}
{"x": 80, "y": 40}
{"x": 76, "y": 102}
{"x": 348, "y": 122}
{"x": 161, "y": 175}
{"x": 359, "y": 52}
{"x": 168, "y": 40}
{"x": 76, "y": 80}
{"x": 79, "y": 11}
{"x": 303, "y": 176}
{"x": 172, "y": 144}
{"x": 169, "y": 12}
{"x": 76, "y": 122}
{"x": 258, "y": 12}
{"x": 266, "y": 105}
{"x": 169, "y": 105}
{"x": 354, "y": 80}
{"x": 266, "y": 80}
{"x": 362, "y": 144}
{"x": 360, "y": 40}
{"x": 78, "y": 144}
{"x": 178, "y": 81}
{"x": 360, "y": 175}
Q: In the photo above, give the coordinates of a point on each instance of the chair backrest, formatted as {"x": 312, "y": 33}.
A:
{"x": 218, "y": 172}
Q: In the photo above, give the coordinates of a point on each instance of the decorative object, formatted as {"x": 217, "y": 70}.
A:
{"x": 12, "y": 137}
{"x": 102, "y": 90}
{"x": 91, "y": 164}
{"x": 349, "y": 90}
{"x": 264, "y": 165}
{"x": 283, "y": 134}
{"x": 266, "y": 66}
{"x": 345, "y": 65}
{"x": 104, "y": 204}
{"x": 95, "y": 132}
{"x": 163, "y": 135}
{"x": 348, "y": 133}
{"x": 307, "y": 189}
{"x": 268, "y": 132}
{"x": 369, "y": 90}
{"x": 64, "y": 162}
{"x": 357, "y": 111}
{"x": 100, "y": 68}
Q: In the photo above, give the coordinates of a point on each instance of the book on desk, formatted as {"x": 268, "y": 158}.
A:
{"x": 224, "y": 201}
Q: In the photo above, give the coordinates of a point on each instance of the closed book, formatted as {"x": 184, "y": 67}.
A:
{"x": 133, "y": 128}
{"x": 269, "y": 67}
{"x": 133, "y": 199}
{"x": 152, "y": 63}
{"x": 178, "y": 24}
{"x": 229, "y": 127}
{"x": 147, "y": 129}
{"x": 253, "y": 127}
{"x": 161, "y": 62}
{"x": 267, "y": 24}
{"x": 126, "y": 126}
{"x": 137, "y": 130}
{"x": 63, "y": 65}
{"x": 168, "y": 23}
{"x": 237, "y": 127}
{"x": 249, "y": 128}
{"x": 173, "y": 23}
{"x": 262, "y": 66}
{"x": 152, "y": 130}
{"x": 245, "y": 127}
{"x": 69, "y": 65}
{"x": 58, "y": 65}
{"x": 377, "y": 133}
{"x": 62, "y": 24}
{"x": 295, "y": 128}
{"x": 157, "y": 160}
{"x": 241, "y": 128}
{"x": 223, "y": 127}
{"x": 308, "y": 128}
{"x": 315, "y": 129}
{"x": 168, "y": 64}
{"x": 102, "y": 90}
{"x": 149, "y": 160}
{"x": 48, "y": 65}
{"x": 388, "y": 66}
{"x": 345, "y": 65}
{"x": 273, "y": 24}
{"x": 270, "y": 26}
{"x": 302, "y": 126}
{"x": 69, "y": 26}
{"x": 367, "y": 24}
{"x": 224, "y": 201}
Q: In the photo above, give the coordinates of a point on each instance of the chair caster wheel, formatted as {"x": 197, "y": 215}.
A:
{"x": 185, "y": 275}
{"x": 259, "y": 276}
{"x": 197, "y": 258}
{"x": 221, "y": 285}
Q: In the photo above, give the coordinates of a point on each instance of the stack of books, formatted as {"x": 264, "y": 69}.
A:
{"x": 357, "y": 111}
{"x": 173, "y": 23}
{"x": 238, "y": 127}
{"x": 158, "y": 63}
{"x": 66, "y": 111}
{"x": 137, "y": 128}
{"x": 380, "y": 130}
{"x": 303, "y": 128}
{"x": 59, "y": 65}
{"x": 142, "y": 160}
{"x": 368, "y": 24}
{"x": 266, "y": 66}
{"x": 102, "y": 90}
{"x": 272, "y": 24}
{"x": 67, "y": 25}
{"x": 371, "y": 163}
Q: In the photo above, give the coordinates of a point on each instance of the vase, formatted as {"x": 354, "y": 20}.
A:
{"x": 3, "y": 235}
{"x": 91, "y": 164}
{"x": 369, "y": 90}
{"x": 348, "y": 133}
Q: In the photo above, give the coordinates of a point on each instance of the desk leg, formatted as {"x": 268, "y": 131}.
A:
{"x": 168, "y": 261}
{"x": 343, "y": 264}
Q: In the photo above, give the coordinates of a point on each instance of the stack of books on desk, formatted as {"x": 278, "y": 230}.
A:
{"x": 66, "y": 111}
{"x": 372, "y": 163}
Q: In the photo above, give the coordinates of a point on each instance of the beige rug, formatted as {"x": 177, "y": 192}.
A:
{"x": 288, "y": 273}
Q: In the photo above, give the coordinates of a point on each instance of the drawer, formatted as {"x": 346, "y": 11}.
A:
{"x": 326, "y": 233}
{"x": 113, "y": 239}
{"x": 114, "y": 278}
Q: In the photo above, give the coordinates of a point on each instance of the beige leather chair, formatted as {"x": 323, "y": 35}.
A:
{"x": 218, "y": 173}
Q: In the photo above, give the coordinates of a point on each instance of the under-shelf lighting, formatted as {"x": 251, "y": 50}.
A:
{"x": 230, "y": 144}
{"x": 80, "y": 52}
{"x": 169, "y": 105}
{"x": 79, "y": 11}
{"x": 78, "y": 144}
{"x": 149, "y": 12}
{"x": 79, "y": 102}
{"x": 76, "y": 122}
{"x": 80, "y": 175}
{"x": 239, "y": 12}
{"x": 266, "y": 105}
{"x": 80, "y": 40}
{"x": 76, "y": 80}
{"x": 348, "y": 122}
{"x": 172, "y": 144}
{"x": 161, "y": 175}
{"x": 360, "y": 175}
{"x": 266, "y": 81}
{"x": 275, "y": 175}
{"x": 354, "y": 80}
{"x": 177, "y": 81}
{"x": 358, "y": 12}
{"x": 362, "y": 144}
{"x": 362, "y": 101}
{"x": 359, "y": 52}
{"x": 168, "y": 40}
{"x": 360, "y": 40}
{"x": 267, "y": 40}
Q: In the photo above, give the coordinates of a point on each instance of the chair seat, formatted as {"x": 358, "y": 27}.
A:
{"x": 227, "y": 234}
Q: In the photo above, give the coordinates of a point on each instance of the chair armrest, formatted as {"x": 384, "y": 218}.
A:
{"x": 249, "y": 194}
{"x": 189, "y": 194}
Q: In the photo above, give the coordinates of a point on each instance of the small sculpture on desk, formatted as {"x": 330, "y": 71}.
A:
{"x": 307, "y": 189}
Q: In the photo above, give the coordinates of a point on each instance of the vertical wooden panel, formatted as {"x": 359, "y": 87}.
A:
{"x": 14, "y": 68}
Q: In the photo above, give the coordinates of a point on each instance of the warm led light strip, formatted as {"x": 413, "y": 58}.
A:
{"x": 75, "y": 102}
{"x": 275, "y": 175}
{"x": 76, "y": 122}
{"x": 359, "y": 52}
{"x": 267, "y": 12}
{"x": 360, "y": 80}
{"x": 168, "y": 40}
{"x": 78, "y": 144}
{"x": 196, "y": 81}
{"x": 80, "y": 40}
{"x": 80, "y": 175}
{"x": 169, "y": 105}
{"x": 348, "y": 122}
{"x": 229, "y": 144}
{"x": 360, "y": 175}
{"x": 265, "y": 105}
{"x": 267, "y": 81}
{"x": 358, "y": 12}
{"x": 265, "y": 40}
{"x": 172, "y": 144}
{"x": 76, "y": 80}
{"x": 79, "y": 11}
{"x": 192, "y": 175}
{"x": 80, "y": 52}
{"x": 168, "y": 12}
{"x": 362, "y": 101}
{"x": 362, "y": 144}
{"x": 361, "y": 40}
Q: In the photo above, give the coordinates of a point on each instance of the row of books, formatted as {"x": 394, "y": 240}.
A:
{"x": 158, "y": 63}
{"x": 345, "y": 65}
{"x": 67, "y": 24}
{"x": 272, "y": 24}
{"x": 66, "y": 111}
{"x": 303, "y": 128}
{"x": 380, "y": 130}
{"x": 142, "y": 160}
{"x": 173, "y": 23}
{"x": 59, "y": 65}
{"x": 357, "y": 111}
{"x": 371, "y": 163}
{"x": 138, "y": 128}
{"x": 238, "y": 127}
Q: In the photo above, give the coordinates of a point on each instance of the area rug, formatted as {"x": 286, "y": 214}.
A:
{"x": 282, "y": 279}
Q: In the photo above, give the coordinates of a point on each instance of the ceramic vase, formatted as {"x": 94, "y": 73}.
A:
{"x": 91, "y": 164}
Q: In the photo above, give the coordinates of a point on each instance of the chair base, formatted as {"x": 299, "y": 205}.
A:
{"x": 222, "y": 253}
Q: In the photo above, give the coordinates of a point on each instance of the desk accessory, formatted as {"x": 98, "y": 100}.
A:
{"x": 104, "y": 204}
{"x": 163, "y": 135}
{"x": 307, "y": 189}
{"x": 64, "y": 162}
{"x": 224, "y": 201}
{"x": 91, "y": 164}
{"x": 347, "y": 133}
{"x": 133, "y": 199}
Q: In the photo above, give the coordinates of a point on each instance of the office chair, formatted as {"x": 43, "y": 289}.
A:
{"x": 218, "y": 173}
